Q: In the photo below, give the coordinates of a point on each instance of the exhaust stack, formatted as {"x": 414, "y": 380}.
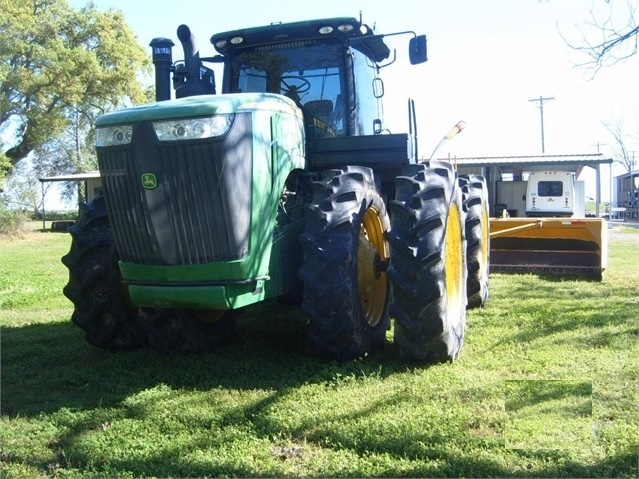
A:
{"x": 192, "y": 78}
{"x": 191, "y": 53}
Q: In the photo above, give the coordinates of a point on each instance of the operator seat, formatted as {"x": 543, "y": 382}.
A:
{"x": 322, "y": 109}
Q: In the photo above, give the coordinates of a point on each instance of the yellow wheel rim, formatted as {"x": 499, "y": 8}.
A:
{"x": 372, "y": 251}
{"x": 454, "y": 262}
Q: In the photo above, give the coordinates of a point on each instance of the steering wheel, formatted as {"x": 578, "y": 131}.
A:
{"x": 301, "y": 85}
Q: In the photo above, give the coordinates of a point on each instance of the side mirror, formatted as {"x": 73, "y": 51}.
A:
{"x": 417, "y": 50}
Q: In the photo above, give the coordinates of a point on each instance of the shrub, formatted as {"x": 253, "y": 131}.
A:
{"x": 12, "y": 222}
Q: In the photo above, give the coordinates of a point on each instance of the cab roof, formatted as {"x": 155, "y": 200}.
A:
{"x": 361, "y": 36}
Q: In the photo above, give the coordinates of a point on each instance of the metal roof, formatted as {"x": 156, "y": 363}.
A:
{"x": 535, "y": 161}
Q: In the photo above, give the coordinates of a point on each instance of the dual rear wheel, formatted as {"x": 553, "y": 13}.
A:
{"x": 355, "y": 255}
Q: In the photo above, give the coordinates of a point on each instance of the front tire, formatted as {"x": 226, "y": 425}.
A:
{"x": 428, "y": 263}
{"x": 346, "y": 291}
{"x": 102, "y": 307}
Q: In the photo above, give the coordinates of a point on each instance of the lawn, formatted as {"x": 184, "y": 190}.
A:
{"x": 547, "y": 386}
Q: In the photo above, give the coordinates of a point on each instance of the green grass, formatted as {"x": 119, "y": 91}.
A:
{"x": 546, "y": 414}
{"x": 547, "y": 386}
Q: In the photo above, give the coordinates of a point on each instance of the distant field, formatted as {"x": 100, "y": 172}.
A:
{"x": 547, "y": 386}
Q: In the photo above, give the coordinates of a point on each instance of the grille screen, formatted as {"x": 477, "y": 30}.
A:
{"x": 199, "y": 212}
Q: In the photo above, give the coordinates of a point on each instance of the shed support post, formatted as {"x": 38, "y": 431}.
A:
{"x": 44, "y": 226}
{"x": 598, "y": 189}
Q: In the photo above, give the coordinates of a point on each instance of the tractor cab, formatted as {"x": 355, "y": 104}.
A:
{"x": 329, "y": 68}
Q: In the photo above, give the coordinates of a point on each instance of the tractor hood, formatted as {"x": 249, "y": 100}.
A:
{"x": 201, "y": 105}
{"x": 193, "y": 218}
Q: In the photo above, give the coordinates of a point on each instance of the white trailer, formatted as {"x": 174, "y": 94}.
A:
{"x": 551, "y": 194}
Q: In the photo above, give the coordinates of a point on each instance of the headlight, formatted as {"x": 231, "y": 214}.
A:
{"x": 113, "y": 135}
{"x": 193, "y": 128}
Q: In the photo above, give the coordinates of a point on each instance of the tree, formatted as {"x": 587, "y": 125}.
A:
{"x": 610, "y": 35}
{"x": 23, "y": 190}
{"x": 623, "y": 155}
{"x": 57, "y": 63}
{"x": 71, "y": 152}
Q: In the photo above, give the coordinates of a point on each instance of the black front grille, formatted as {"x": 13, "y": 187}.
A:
{"x": 200, "y": 210}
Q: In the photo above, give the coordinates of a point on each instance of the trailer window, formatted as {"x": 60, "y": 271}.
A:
{"x": 550, "y": 188}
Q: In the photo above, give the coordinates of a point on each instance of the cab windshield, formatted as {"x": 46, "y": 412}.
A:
{"x": 308, "y": 74}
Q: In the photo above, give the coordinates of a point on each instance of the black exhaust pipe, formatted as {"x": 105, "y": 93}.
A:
{"x": 191, "y": 53}
{"x": 192, "y": 78}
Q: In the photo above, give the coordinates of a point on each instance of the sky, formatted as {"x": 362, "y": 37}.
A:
{"x": 487, "y": 60}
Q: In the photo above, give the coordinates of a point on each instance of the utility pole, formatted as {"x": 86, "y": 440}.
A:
{"x": 599, "y": 145}
{"x": 541, "y": 101}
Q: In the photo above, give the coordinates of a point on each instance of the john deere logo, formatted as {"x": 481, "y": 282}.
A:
{"x": 149, "y": 181}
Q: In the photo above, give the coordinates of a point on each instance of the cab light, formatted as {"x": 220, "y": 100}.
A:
{"x": 193, "y": 128}
{"x": 113, "y": 135}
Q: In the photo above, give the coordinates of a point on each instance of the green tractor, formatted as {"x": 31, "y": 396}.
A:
{"x": 284, "y": 185}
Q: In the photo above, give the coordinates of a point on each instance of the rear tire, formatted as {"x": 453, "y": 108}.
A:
{"x": 475, "y": 198}
{"x": 346, "y": 291}
{"x": 428, "y": 263}
{"x": 102, "y": 307}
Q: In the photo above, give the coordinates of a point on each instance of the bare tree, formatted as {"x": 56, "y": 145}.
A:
{"x": 622, "y": 154}
{"x": 609, "y": 37}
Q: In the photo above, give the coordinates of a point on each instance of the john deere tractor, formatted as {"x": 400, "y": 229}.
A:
{"x": 285, "y": 184}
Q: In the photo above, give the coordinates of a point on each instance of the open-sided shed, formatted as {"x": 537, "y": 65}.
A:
{"x": 88, "y": 184}
{"x": 495, "y": 168}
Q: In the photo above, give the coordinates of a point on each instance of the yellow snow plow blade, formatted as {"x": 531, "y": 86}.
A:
{"x": 549, "y": 245}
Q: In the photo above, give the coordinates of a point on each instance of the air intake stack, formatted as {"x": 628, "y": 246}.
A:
{"x": 163, "y": 62}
